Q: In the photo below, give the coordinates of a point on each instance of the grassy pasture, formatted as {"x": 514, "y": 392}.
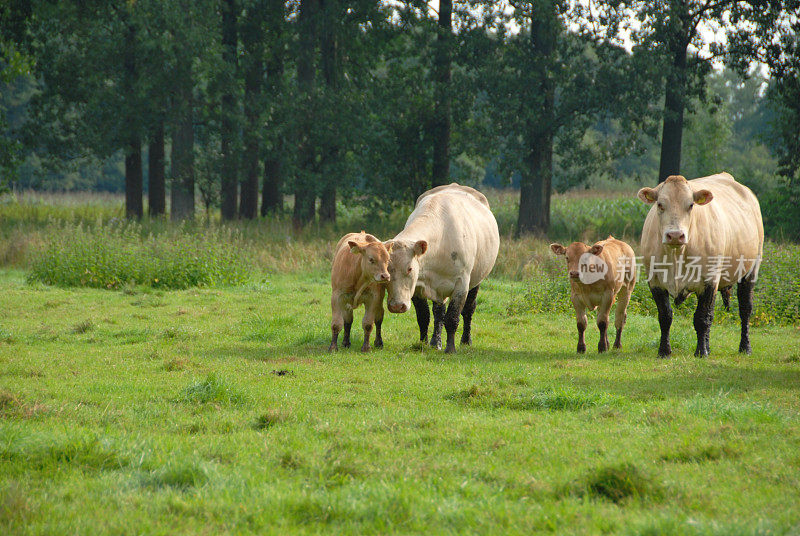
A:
{"x": 217, "y": 409}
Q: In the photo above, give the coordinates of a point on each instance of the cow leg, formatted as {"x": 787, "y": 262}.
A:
{"x": 466, "y": 314}
{"x": 703, "y": 316}
{"x": 438, "y": 322}
{"x": 661, "y": 297}
{"x": 423, "y": 316}
{"x": 621, "y": 312}
{"x": 603, "y": 313}
{"x": 454, "y": 309}
{"x": 378, "y": 308}
{"x": 726, "y": 297}
{"x": 347, "y": 314}
{"x": 582, "y": 321}
{"x": 744, "y": 291}
{"x": 337, "y": 322}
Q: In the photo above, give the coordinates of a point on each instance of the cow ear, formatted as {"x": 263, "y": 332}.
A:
{"x": 558, "y": 249}
{"x": 388, "y": 245}
{"x": 648, "y": 195}
{"x": 420, "y": 247}
{"x": 355, "y": 247}
{"x": 702, "y": 197}
{"x": 596, "y": 249}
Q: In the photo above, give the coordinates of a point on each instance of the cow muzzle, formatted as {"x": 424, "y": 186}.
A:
{"x": 574, "y": 274}
{"x": 397, "y": 307}
{"x": 674, "y": 238}
{"x": 383, "y": 277}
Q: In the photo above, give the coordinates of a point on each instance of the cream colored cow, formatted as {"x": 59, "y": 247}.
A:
{"x": 700, "y": 236}
{"x": 358, "y": 275}
{"x": 448, "y": 246}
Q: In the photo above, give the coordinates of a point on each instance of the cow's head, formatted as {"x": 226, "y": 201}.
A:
{"x": 675, "y": 201}
{"x": 404, "y": 269}
{"x": 577, "y": 259}
{"x": 374, "y": 258}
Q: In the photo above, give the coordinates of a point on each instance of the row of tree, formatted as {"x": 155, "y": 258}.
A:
{"x": 248, "y": 100}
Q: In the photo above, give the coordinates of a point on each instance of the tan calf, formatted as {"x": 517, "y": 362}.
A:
{"x": 359, "y": 275}
{"x": 597, "y": 275}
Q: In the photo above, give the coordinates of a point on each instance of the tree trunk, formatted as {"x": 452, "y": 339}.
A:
{"x": 674, "y": 104}
{"x": 330, "y": 71}
{"x": 133, "y": 149}
{"x": 252, "y": 35}
{"x": 535, "y": 187}
{"x": 304, "y": 191}
{"x": 271, "y": 197}
{"x": 156, "y": 187}
{"x": 442, "y": 100}
{"x": 133, "y": 179}
{"x": 182, "y": 191}
{"x": 272, "y": 189}
{"x": 228, "y": 130}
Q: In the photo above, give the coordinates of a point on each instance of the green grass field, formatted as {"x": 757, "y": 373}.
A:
{"x": 218, "y": 410}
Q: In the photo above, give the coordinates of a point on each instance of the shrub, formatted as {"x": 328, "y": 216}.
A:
{"x": 113, "y": 255}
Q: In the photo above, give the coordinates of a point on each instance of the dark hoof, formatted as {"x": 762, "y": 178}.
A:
{"x": 601, "y": 349}
{"x": 346, "y": 344}
{"x": 451, "y": 349}
{"x": 581, "y": 348}
{"x": 378, "y": 344}
{"x": 365, "y": 348}
{"x": 745, "y": 349}
{"x": 617, "y": 346}
{"x": 467, "y": 341}
{"x": 333, "y": 348}
{"x": 436, "y": 343}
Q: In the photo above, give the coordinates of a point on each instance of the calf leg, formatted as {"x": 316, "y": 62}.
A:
{"x": 366, "y": 324}
{"x": 423, "y": 316}
{"x": 603, "y": 313}
{"x": 703, "y": 316}
{"x": 466, "y": 313}
{"x": 661, "y": 297}
{"x": 336, "y": 327}
{"x": 621, "y": 312}
{"x": 580, "y": 315}
{"x": 744, "y": 291}
{"x": 347, "y": 315}
{"x": 726, "y": 297}
{"x": 451, "y": 319}
{"x": 438, "y": 322}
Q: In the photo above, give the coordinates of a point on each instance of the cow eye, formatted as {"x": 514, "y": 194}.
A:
{"x": 691, "y": 205}
{"x": 660, "y": 206}
{"x": 372, "y": 260}
{"x": 409, "y": 270}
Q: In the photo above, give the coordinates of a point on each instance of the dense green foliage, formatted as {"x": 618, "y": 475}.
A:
{"x": 116, "y": 254}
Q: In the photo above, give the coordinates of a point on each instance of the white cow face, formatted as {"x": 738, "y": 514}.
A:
{"x": 675, "y": 201}
{"x": 404, "y": 272}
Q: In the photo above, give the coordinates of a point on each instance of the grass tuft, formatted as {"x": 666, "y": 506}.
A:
{"x": 179, "y": 474}
{"x": 212, "y": 389}
{"x": 700, "y": 453}
{"x": 618, "y": 483}
{"x": 270, "y": 418}
{"x": 83, "y": 327}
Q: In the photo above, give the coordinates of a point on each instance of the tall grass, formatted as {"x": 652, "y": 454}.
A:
{"x": 112, "y": 255}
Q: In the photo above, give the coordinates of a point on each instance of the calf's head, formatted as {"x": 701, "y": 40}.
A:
{"x": 674, "y": 200}
{"x": 582, "y": 261}
{"x": 374, "y": 258}
{"x": 404, "y": 269}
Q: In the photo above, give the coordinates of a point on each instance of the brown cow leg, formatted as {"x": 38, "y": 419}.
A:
{"x": 703, "y": 317}
{"x": 334, "y": 339}
{"x": 744, "y": 291}
{"x": 423, "y": 317}
{"x": 602, "y": 344}
{"x": 367, "y": 333}
{"x": 378, "y": 322}
{"x": 438, "y": 321}
{"x": 726, "y": 297}
{"x": 661, "y": 297}
{"x": 451, "y": 319}
{"x": 581, "y": 330}
{"x": 466, "y": 314}
{"x": 346, "y": 339}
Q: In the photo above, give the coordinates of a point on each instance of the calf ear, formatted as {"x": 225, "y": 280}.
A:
{"x": 596, "y": 249}
{"x": 355, "y": 247}
{"x": 702, "y": 197}
{"x": 648, "y": 195}
{"x": 388, "y": 245}
{"x": 420, "y": 247}
{"x": 558, "y": 249}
